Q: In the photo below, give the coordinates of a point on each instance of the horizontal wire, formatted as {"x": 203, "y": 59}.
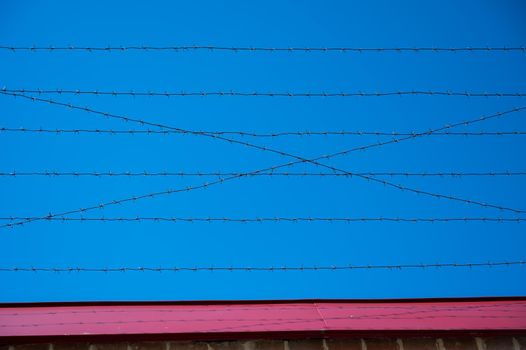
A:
{"x": 15, "y": 173}
{"x": 132, "y": 93}
{"x": 268, "y": 134}
{"x": 262, "y": 148}
{"x": 265, "y": 49}
{"x": 268, "y": 219}
{"x": 299, "y": 159}
{"x": 264, "y": 268}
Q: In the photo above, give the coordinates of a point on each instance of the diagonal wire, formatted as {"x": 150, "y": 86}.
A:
{"x": 299, "y": 159}
{"x": 263, "y": 94}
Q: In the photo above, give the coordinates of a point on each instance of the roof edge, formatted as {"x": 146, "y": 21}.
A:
{"x": 257, "y": 301}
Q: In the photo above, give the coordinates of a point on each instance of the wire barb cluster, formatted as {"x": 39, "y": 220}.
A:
{"x": 263, "y": 268}
{"x": 264, "y": 94}
{"x": 263, "y": 49}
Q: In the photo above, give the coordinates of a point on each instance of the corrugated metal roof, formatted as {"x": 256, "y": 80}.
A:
{"x": 56, "y": 320}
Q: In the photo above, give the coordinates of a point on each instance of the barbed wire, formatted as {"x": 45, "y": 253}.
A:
{"x": 176, "y": 48}
{"x": 270, "y": 219}
{"x": 262, "y": 148}
{"x": 260, "y": 134}
{"x": 300, "y": 160}
{"x": 264, "y": 268}
{"x": 133, "y": 93}
{"x": 48, "y": 173}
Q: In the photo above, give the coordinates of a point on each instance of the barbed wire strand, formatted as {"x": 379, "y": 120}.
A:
{"x": 264, "y": 268}
{"x": 254, "y": 134}
{"x": 176, "y": 48}
{"x": 54, "y": 173}
{"x": 132, "y": 93}
{"x": 270, "y": 219}
{"x": 299, "y": 160}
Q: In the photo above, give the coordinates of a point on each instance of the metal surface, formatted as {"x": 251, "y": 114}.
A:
{"x": 257, "y": 318}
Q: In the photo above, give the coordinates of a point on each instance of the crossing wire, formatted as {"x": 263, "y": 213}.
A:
{"x": 53, "y": 173}
{"x": 342, "y": 49}
{"x": 264, "y": 94}
{"x": 270, "y": 219}
{"x": 259, "y": 134}
{"x": 299, "y": 160}
{"x": 264, "y": 268}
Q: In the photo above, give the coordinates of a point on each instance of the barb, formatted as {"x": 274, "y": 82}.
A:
{"x": 341, "y": 49}
{"x": 298, "y": 159}
{"x": 269, "y": 219}
{"x": 254, "y": 134}
{"x": 264, "y": 268}
{"x": 15, "y": 173}
{"x": 263, "y": 94}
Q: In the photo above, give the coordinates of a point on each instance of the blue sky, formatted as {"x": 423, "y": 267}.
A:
{"x": 273, "y": 24}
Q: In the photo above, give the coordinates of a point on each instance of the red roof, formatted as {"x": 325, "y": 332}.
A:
{"x": 246, "y": 319}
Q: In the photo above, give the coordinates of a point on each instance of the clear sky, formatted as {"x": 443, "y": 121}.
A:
{"x": 272, "y": 24}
